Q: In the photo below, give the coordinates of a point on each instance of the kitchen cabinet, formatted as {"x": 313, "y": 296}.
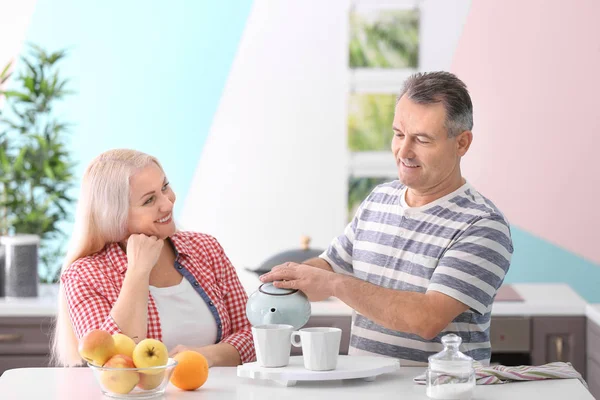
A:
{"x": 549, "y": 325}
{"x": 511, "y": 340}
{"x": 515, "y": 340}
{"x": 24, "y": 342}
{"x": 559, "y": 339}
{"x": 593, "y": 358}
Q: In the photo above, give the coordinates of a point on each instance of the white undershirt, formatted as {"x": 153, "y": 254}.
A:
{"x": 403, "y": 202}
{"x": 184, "y": 316}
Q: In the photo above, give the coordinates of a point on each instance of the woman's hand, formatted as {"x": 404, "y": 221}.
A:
{"x": 179, "y": 348}
{"x": 143, "y": 252}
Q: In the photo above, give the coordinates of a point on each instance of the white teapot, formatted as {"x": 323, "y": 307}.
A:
{"x": 272, "y": 305}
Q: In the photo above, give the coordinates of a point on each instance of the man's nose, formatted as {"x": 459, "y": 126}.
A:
{"x": 406, "y": 150}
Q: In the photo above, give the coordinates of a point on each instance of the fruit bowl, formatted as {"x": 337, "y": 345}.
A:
{"x": 133, "y": 383}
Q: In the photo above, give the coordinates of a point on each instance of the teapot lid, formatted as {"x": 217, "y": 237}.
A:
{"x": 268, "y": 288}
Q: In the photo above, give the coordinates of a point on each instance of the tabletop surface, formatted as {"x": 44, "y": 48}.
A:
{"x": 223, "y": 383}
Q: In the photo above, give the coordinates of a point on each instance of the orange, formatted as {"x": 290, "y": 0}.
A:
{"x": 191, "y": 371}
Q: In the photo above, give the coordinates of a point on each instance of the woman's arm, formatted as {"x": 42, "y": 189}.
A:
{"x": 130, "y": 311}
{"x": 237, "y": 346}
{"x": 218, "y": 355}
{"x": 89, "y": 309}
{"x": 235, "y": 299}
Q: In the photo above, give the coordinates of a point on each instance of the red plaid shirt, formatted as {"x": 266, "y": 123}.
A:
{"x": 92, "y": 285}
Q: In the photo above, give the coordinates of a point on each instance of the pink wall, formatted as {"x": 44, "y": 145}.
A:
{"x": 533, "y": 68}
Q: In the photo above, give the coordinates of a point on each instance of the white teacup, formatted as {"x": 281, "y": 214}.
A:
{"x": 320, "y": 347}
{"x": 272, "y": 344}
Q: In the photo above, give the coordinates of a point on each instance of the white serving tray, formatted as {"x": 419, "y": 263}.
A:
{"x": 348, "y": 367}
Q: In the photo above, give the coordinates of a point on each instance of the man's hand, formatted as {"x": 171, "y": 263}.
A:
{"x": 316, "y": 283}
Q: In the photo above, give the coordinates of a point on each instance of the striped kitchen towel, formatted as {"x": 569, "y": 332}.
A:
{"x": 501, "y": 374}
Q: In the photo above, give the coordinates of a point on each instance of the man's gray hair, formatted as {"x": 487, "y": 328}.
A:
{"x": 444, "y": 87}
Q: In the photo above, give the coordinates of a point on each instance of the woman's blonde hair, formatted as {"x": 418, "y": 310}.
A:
{"x": 101, "y": 218}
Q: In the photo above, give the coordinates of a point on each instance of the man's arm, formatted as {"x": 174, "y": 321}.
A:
{"x": 468, "y": 276}
{"x": 411, "y": 312}
{"x": 318, "y": 262}
{"x": 423, "y": 314}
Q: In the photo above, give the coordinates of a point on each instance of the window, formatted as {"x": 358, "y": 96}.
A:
{"x": 383, "y": 52}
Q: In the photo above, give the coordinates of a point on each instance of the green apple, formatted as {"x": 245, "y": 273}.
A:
{"x": 150, "y": 353}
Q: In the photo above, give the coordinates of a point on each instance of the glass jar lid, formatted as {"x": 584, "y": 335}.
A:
{"x": 451, "y": 360}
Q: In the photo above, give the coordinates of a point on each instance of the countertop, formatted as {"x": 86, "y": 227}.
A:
{"x": 593, "y": 313}
{"x": 540, "y": 299}
{"x": 223, "y": 384}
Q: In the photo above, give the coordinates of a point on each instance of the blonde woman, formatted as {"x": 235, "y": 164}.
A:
{"x": 129, "y": 270}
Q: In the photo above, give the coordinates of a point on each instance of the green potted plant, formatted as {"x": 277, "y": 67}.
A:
{"x": 36, "y": 171}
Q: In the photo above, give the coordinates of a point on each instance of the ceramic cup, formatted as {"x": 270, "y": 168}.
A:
{"x": 272, "y": 344}
{"x": 320, "y": 347}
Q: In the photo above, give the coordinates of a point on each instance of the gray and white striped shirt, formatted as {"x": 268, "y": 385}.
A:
{"x": 459, "y": 245}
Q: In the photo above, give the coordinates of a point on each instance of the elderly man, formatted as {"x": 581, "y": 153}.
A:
{"x": 424, "y": 255}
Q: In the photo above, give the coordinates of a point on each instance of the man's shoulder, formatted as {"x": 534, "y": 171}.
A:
{"x": 390, "y": 185}
{"x": 386, "y": 191}
{"x": 486, "y": 218}
{"x": 470, "y": 202}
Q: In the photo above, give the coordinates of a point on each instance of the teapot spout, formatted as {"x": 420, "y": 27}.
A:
{"x": 272, "y": 317}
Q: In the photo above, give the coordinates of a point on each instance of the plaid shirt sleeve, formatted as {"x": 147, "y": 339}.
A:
{"x": 235, "y": 301}
{"x": 88, "y": 309}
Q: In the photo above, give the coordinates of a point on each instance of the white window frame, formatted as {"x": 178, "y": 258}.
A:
{"x": 376, "y": 164}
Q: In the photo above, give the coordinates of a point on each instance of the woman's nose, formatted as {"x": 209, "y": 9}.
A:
{"x": 166, "y": 202}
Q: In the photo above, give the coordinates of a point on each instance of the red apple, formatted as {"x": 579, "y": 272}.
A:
{"x": 97, "y": 346}
{"x": 149, "y": 382}
{"x": 116, "y": 381}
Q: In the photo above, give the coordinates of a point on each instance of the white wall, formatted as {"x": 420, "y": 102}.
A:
{"x": 14, "y": 20}
{"x": 275, "y": 164}
{"x": 441, "y": 26}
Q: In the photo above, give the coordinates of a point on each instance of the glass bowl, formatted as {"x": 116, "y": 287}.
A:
{"x": 133, "y": 383}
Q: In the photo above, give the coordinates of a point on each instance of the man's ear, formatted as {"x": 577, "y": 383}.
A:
{"x": 463, "y": 142}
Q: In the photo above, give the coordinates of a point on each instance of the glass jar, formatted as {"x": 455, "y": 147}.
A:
{"x": 450, "y": 374}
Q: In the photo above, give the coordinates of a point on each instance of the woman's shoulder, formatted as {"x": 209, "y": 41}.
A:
{"x": 88, "y": 266}
{"x": 195, "y": 237}
{"x": 197, "y": 241}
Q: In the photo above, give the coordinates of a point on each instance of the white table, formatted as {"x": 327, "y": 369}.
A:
{"x": 223, "y": 384}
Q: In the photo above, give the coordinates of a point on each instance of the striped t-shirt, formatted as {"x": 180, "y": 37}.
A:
{"x": 459, "y": 245}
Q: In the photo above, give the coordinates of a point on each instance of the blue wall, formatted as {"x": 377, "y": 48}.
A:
{"x": 537, "y": 260}
{"x": 148, "y": 74}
